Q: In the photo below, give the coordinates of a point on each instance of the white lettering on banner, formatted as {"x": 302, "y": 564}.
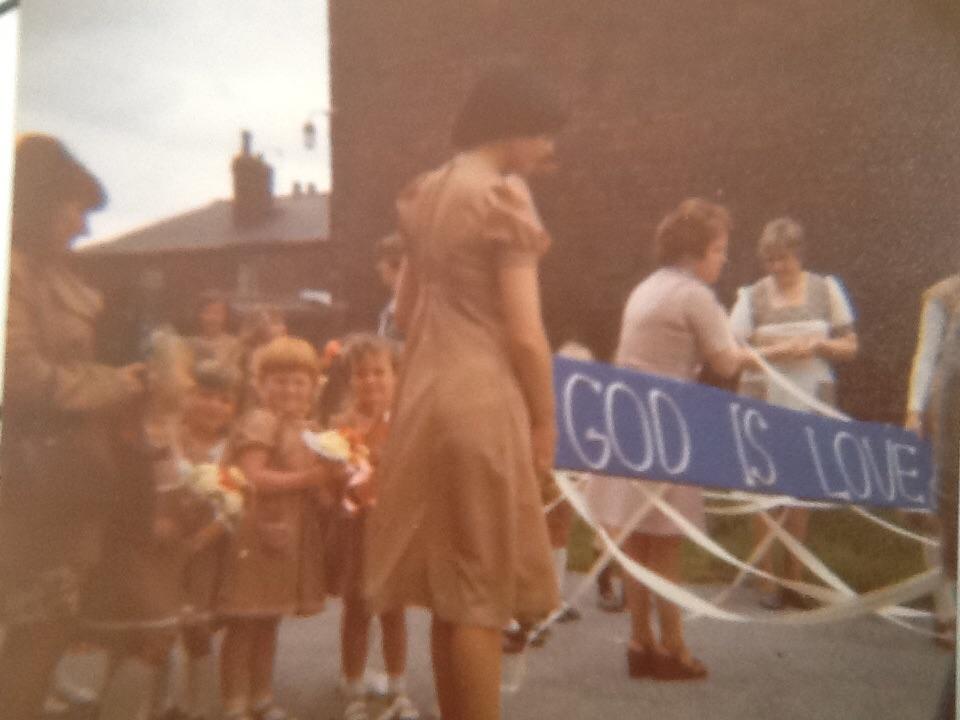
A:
{"x": 657, "y": 399}
{"x": 889, "y": 484}
{"x": 818, "y": 464}
{"x": 890, "y": 492}
{"x": 839, "y": 440}
{"x": 613, "y": 391}
{"x": 591, "y": 433}
{"x": 612, "y": 426}
{"x": 897, "y": 470}
{"x": 743, "y": 431}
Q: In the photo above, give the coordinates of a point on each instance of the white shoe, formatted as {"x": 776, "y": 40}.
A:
{"x": 356, "y": 709}
{"x": 400, "y": 708}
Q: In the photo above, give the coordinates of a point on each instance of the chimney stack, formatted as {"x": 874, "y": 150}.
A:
{"x": 252, "y": 185}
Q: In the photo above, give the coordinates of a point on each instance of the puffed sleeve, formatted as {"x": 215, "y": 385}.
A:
{"x": 257, "y": 428}
{"x": 512, "y": 222}
{"x": 741, "y": 316}
{"x": 841, "y": 311}
{"x": 409, "y": 206}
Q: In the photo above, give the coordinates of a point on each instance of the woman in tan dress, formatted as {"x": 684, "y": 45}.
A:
{"x": 459, "y": 527}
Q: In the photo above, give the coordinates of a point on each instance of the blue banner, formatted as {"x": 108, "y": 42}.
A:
{"x": 620, "y": 422}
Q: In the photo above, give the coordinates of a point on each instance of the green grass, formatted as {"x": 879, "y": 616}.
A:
{"x": 864, "y": 555}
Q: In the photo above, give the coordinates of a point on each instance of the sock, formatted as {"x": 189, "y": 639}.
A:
{"x": 354, "y": 688}
{"x": 397, "y": 684}
{"x": 200, "y": 691}
{"x": 161, "y": 697}
{"x": 560, "y": 565}
{"x": 129, "y": 692}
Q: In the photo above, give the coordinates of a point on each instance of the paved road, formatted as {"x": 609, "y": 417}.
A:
{"x": 865, "y": 668}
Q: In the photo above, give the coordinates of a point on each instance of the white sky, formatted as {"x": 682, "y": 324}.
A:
{"x": 152, "y": 96}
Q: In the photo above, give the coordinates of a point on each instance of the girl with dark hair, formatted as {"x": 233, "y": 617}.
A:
{"x": 57, "y": 459}
{"x": 458, "y": 527}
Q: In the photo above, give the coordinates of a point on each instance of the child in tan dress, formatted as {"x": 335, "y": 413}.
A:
{"x": 371, "y": 363}
{"x": 137, "y": 594}
{"x": 275, "y": 564}
{"x": 208, "y": 415}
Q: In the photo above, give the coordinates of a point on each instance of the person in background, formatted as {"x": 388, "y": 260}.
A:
{"x": 946, "y": 434}
{"x": 672, "y": 326}
{"x": 58, "y": 458}
{"x": 803, "y": 324}
{"x": 258, "y": 327}
{"x": 372, "y": 364}
{"x": 274, "y": 566}
{"x": 213, "y": 340}
{"x": 458, "y": 527}
{"x": 389, "y": 260}
{"x": 938, "y": 317}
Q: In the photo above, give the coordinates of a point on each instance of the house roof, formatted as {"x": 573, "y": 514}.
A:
{"x": 294, "y": 219}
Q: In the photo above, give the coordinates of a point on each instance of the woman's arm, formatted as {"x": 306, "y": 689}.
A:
{"x": 529, "y": 350}
{"x": 34, "y": 379}
{"x": 253, "y": 463}
{"x": 408, "y": 287}
{"x": 838, "y": 349}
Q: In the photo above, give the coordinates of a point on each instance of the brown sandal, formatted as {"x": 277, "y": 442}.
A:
{"x": 640, "y": 663}
{"x": 678, "y": 667}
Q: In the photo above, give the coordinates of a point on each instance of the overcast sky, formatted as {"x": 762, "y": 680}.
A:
{"x": 152, "y": 96}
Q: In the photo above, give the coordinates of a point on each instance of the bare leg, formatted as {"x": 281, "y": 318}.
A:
{"x": 27, "y": 661}
{"x": 664, "y": 559}
{"x": 796, "y": 523}
{"x": 235, "y": 661}
{"x": 638, "y": 597}
{"x": 476, "y": 671}
{"x": 394, "y": 625}
{"x": 264, "y": 652}
{"x": 441, "y": 650}
{"x": 765, "y": 561}
{"x": 354, "y": 637}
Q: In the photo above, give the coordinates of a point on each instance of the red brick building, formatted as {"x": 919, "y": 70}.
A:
{"x": 843, "y": 115}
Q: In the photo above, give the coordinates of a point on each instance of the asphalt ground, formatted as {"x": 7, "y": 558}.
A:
{"x": 862, "y": 668}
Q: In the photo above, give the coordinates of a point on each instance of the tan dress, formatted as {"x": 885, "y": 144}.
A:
{"x": 458, "y": 526}
{"x": 275, "y": 563}
{"x": 139, "y": 584}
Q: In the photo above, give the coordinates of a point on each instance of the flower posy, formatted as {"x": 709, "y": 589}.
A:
{"x": 221, "y": 486}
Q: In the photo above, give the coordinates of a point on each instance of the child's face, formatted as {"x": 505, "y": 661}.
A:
{"x": 289, "y": 393}
{"x": 209, "y": 411}
{"x": 372, "y": 381}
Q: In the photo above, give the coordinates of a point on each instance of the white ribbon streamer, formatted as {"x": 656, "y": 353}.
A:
{"x": 850, "y": 606}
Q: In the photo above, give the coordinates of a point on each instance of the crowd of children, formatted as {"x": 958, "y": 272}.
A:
{"x": 281, "y": 531}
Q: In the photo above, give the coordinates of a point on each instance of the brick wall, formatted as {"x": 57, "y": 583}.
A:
{"x": 845, "y": 115}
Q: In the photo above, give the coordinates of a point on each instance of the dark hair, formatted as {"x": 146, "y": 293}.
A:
{"x": 391, "y": 250}
{"x": 46, "y": 176}
{"x": 359, "y": 345}
{"x": 688, "y": 230}
{"x": 212, "y": 375}
{"x": 506, "y": 103}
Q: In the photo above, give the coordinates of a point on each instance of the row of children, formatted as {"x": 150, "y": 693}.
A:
{"x": 298, "y": 537}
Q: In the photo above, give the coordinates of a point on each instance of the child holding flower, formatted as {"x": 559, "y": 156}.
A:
{"x": 371, "y": 364}
{"x": 275, "y": 565}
